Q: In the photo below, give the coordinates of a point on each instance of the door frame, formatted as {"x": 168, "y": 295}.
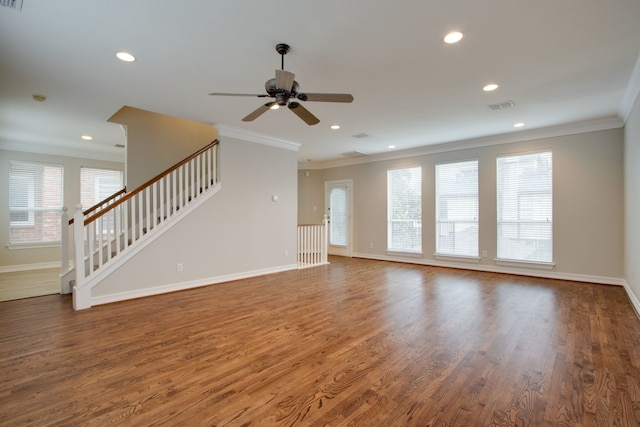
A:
{"x": 348, "y": 249}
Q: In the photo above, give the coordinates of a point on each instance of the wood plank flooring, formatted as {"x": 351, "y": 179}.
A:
{"x": 357, "y": 342}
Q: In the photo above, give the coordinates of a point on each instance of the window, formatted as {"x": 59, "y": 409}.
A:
{"x": 338, "y": 216}
{"x": 525, "y": 211}
{"x": 457, "y": 208}
{"x": 98, "y": 184}
{"x": 35, "y": 202}
{"x": 404, "y": 210}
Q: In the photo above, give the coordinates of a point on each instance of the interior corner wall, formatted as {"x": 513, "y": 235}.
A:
{"x": 632, "y": 203}
{"x": 155, "y": 142}
{"x": 35, "y": 256}
{"x": 239, "y": 230}
{"x": 588, "y": 202}
{"x": 310, "y": 197}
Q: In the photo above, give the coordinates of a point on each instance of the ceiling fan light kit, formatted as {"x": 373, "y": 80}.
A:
{"x": 285, "y": 90}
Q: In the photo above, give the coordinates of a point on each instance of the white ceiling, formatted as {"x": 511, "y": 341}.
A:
{"x": 559, "y": 61}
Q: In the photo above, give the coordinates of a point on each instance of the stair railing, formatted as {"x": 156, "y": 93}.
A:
{"x": 105, "y": 233}
{"x": 313, "y": 245}
{"x": 66, "y": 228}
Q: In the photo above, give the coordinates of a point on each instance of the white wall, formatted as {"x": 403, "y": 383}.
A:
{"x": 240, "y": 231}
{"x": 35, "y": 256}
{"x": 156, "y": 142}
{"x": 632, "y": 204}
{"x": 588, "y": 203}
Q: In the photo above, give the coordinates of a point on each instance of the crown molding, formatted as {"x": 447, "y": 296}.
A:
{"x": 232, "y": 132}
{"x": 603, "y": 123}
{"x": 107, "y": 154}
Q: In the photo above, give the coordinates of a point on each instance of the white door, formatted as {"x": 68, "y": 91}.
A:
{"x": 338, "y": 208}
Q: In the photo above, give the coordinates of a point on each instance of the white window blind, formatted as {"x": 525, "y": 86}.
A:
{"x": 404, "y": 210}
{"x": 35, "y": 202}
{"x": 98, "y": 184}
{"x": 457, "y": 208}
{"x": 338, "y": 216}
{"x": 525, "y": 207}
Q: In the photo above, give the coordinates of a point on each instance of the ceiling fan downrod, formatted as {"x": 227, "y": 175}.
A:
{"x": 282, "y": 49}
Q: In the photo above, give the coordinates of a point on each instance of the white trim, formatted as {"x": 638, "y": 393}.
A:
{"x": 603, "y": 123}
{"x": 495, "y": 269}
{"x": 395, "y": 253}
{"x": 525, "y": 264}
{"x": 457, "y": 258}
{"x": 26, "y": 267}
{"x": 173, "y": 287}
{"x": 634, "y": 300}
{"x": 33, "y": 245}
{"x": 631, "y": 93}
{"x": 256, "y": 138}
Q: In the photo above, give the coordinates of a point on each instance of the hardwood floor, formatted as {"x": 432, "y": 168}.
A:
{"x": 31, "y": 283}
{"x": 358, "y": 342}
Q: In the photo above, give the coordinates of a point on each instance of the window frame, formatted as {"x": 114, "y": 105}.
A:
{"x": 475, "y": 222}
{"x": 511, "y": 259}
{"x": 33, "y": 176}
{"x": 390, "y": 198}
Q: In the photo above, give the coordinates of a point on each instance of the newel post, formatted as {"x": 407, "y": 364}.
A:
{"x": 64, "y": 241}
{"x": 81, "y": 295}
{"x": 325, "y": 240}
{"x": 65, "y": 271}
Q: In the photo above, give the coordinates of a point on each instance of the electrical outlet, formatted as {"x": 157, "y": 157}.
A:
{"x": 286, "y": 254}
{"x": 179, "y": 267}
{"x": 371, "y": 245}
{"x": 484, "y": 254}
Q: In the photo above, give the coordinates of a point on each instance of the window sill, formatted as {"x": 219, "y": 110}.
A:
{"x": 457, "y": 258}
{"x": 18, "y": 246}
{"x": 404, "y": 253}
{"x": 525, "y": 264}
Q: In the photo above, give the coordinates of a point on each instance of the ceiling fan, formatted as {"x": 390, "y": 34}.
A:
{"x": 285, "y": 90}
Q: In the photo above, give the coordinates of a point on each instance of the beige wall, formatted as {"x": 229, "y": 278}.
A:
{"x": 632, "y": 204}
{"x": 588, "y": 201}
{"x": 31, "y": 256}
{"x": 239, "y": 230}
{"x": 155, "y": 142}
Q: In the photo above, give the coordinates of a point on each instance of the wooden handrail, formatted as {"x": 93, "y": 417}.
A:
{"x": 97, "y": 205}
{"x": 153, "y": 180}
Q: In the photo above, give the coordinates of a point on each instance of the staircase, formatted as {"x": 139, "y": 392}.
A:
{"x": 110, "y": 233}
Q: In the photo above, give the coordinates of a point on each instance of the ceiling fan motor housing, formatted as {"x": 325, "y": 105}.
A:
{"x": 282, "y": 96}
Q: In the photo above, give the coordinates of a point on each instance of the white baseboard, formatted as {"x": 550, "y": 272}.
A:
{"x": 173, "y": 287}
{"x": 498, "y": 269}
{"x": 634, "y": 299}
{"x": 25, "y": 267}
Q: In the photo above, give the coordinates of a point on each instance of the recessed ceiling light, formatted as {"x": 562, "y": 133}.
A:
{"x": 335, "y": 127}
{"x": 518, "y": 125}
{"x": 392, "y": 146}
{"x": 87, "y": 137}
{"x": 453, "y": 37}
{"x": 489, "y": 87}
{"x": 125, "y": 56}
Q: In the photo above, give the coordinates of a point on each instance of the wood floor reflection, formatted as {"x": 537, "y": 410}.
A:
{"x": 357, "y": 342}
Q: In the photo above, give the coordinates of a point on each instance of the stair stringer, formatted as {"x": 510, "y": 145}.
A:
{"x": 82, "y": 297}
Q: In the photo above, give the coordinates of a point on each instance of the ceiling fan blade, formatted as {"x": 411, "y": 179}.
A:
{"x": 257, "y": 113}
{"x": 303, "y": 113}
{"x": 284, "y": 80}
{"x": 326, "y": 97}
{"x": 238, "y": 94}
